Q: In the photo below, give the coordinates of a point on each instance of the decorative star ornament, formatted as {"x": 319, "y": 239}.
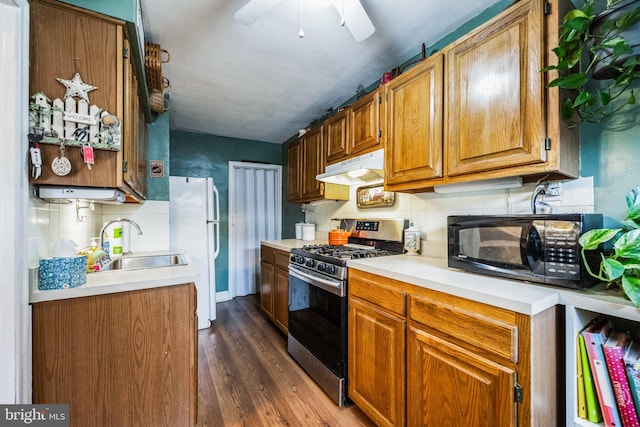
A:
{"x": 76, "y": 87}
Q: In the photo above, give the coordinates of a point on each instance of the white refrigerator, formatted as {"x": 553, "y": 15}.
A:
{"x": 194, "y": 218}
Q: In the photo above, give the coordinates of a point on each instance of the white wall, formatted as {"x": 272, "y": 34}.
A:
{"x": 50, "y": 222}
{"x": 14, "y": 310}
{"x": 429, "y": 211}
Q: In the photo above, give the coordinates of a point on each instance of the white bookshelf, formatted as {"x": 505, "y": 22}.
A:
{"x": 580, "y": 308}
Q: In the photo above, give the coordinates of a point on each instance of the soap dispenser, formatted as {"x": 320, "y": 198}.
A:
{"x": 412, "y": 240}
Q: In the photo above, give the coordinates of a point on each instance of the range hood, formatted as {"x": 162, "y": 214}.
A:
{"x": 99, "y": 195}
{"x": 367, "y": 169}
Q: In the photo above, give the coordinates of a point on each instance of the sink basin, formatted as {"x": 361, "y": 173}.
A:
{"x": 144, "y": 261}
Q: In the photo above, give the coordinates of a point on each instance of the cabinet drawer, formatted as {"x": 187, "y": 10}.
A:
{"x": 281, "y": 259}
{"x": 382, "y": 292}
{"x": 490, "y": 329}
{"x": 266, "y": 254}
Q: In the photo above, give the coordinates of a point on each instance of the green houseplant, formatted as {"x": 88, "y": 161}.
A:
{"x": 619, "y": 265}
{"x": 603, "y": 38}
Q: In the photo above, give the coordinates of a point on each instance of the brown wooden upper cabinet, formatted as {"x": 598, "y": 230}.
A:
{"x": 364, "y": 124}
{"x": 337, "y": 136}
{"x": 306, "y": 159}
{"x": 294, "y": 171}
{"x": 499, "y": 118}
{"x": 65, "y": 39}
{"x": 414, "y": 108}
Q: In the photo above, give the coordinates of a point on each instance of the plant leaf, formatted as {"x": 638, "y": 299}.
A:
{"x": 631, "y": 288}
{"x": 567, "y": 110}
{"x": 613, "y": 268}
{"x": 593, "y": 238}
{"x": 605, "y": 98}
{"x": 628, "y": 245}
{"x": 572, "y": 81}
{"x": 633, "y": 198}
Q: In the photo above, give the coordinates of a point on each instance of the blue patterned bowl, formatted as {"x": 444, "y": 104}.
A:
{"x": 62, "y": 273}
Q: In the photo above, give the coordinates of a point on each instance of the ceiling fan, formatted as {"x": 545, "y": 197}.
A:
{"x": 352, "y": 15}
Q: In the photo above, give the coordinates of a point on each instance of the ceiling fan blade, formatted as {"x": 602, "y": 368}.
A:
{"x": 254, "y": 10}
{"x": 356, "y": 18}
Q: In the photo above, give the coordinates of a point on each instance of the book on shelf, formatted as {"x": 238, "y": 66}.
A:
{"x": 614, "y": 349}
{"x": 595, "y": 334}
{"x": 593, "y": 406}
{"x": 580, "y": 391}
{"x": 631, "y": 361}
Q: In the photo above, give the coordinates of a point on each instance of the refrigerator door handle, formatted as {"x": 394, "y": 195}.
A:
{"x": 216, "y": 221}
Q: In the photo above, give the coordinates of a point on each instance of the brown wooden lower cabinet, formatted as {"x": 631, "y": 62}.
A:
{"x": 119, "y": 359}
{"x": 274, "y": 285}
{"x": 419, "y": 357}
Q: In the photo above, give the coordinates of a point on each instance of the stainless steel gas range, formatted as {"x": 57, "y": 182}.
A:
{"x": 318, "y": 299}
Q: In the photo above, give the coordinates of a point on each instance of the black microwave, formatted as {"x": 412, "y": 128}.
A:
{"x": 536, "y": 248}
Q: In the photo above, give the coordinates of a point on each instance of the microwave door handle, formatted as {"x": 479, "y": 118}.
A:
{"x": 534, "y": 248}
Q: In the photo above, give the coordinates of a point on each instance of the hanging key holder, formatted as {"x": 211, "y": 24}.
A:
{"x": 61, "y": 166}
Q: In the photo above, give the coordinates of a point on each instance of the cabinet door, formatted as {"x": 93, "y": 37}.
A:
{"x": 62, "y": 41}
{"x": 495, "y": 97}
{"x": 446, "y": 382}
{"x": 364, "y": 121}
{"x": 281, "y": 299}
{"x": 266, "y": 288}
{"x": 294, "y": 171}
{"x": 337, "y": 136}
{"x": 377, "y": 363}
{"x": 313, "y": 161}
{"x": 129, "y": 144}
{"x": 414, "y": 107}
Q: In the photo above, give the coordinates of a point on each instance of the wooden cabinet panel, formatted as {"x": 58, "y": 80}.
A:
{"x": 495, "y": 97}
{"x": 364, "y": 122}
{"x": 266, "y": 288}
{"x": 313, "y": 162}
{"x": 377, "y": 362}
{"x": 294, "y": 171}
{"x": 379, "y": 291}
{"x": 274, "y": 285}
{"x": 65, "y": 39}
{"x": 281, "y": 298}
{"x": 414, "y": 110}
{"x": 117, "y": 358}
{"x": 483, "y": 327}
{"x": 337, "y": 136}
{"x": 446, "y": 383}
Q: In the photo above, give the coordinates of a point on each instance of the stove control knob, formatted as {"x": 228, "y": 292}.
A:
{"x": 322, "y": 266}
{"x": 298, "y": 259}
{"x": 310, "y": 263}
{"x": 331, "y": 269}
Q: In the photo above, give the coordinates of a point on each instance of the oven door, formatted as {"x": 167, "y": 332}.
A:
{"x": 318, "y": 317}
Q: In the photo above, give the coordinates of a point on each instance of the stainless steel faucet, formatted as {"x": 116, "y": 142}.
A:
{"x": 104, "y": 227}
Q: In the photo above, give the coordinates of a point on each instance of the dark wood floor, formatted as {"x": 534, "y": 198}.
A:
{"x": 247, "y": 378}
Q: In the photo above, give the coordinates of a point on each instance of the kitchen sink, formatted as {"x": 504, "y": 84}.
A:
{"x": 144, "y": 261}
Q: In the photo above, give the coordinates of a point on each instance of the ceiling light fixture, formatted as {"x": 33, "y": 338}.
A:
{"x": 301, "y": 32}
{"x": 352, "y": 15}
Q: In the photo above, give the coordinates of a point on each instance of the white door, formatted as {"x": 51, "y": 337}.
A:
{"x": 255, "y": 214}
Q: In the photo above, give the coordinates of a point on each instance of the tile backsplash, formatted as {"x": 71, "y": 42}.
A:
{"x": 79, "y": 222}
{"x": 429, "y": 211}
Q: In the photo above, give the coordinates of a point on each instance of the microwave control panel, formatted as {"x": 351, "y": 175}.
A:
{"x": 562, "y": 251}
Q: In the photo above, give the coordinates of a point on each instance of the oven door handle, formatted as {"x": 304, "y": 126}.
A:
{"x": 335, "y": 287}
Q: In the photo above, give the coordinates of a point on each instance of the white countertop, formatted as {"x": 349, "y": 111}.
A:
{"x": 107, "y": 282}
{"x": 522, "y": 297}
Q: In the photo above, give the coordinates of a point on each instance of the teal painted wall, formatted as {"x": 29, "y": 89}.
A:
{"x": 121, "y": 9}
{"x": 158, "y": 135}
{"x": 200, "y": 155}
